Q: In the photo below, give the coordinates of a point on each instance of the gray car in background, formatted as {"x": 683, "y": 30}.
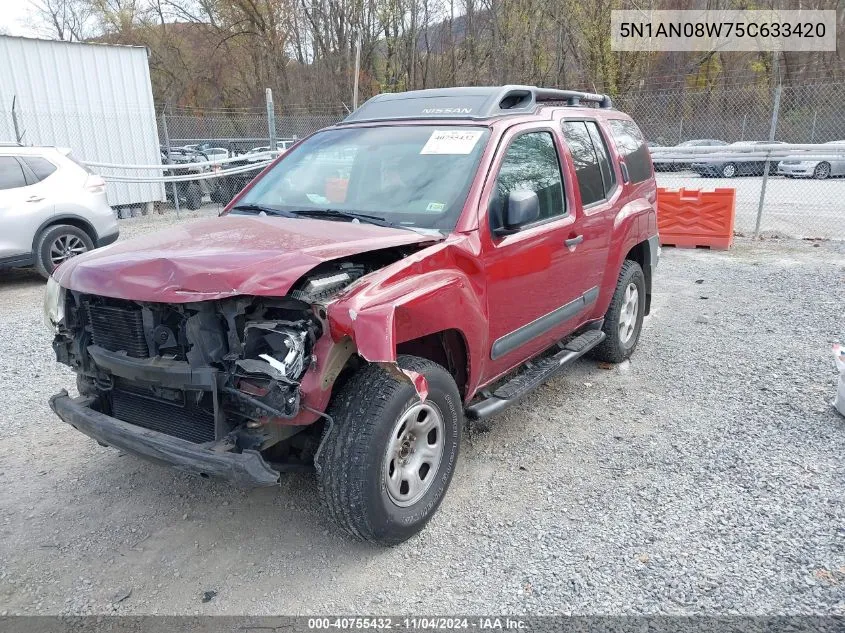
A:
{"x": 52, "y": 208}
{"x": 797, "y": 167}
{"x": 737, "y": 164}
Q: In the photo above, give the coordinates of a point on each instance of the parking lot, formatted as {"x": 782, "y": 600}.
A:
{"x": 704, "y": 476}
{"x": 793, "y": 207}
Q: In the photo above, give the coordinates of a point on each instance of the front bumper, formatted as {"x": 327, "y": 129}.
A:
{"x": 796, "y": 170}
{"x": 247, "y": 469}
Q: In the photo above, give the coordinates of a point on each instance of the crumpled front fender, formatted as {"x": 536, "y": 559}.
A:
{"x": 431, "y": 291}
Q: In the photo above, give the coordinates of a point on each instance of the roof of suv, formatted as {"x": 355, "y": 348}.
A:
{"x": 471, "y": 103}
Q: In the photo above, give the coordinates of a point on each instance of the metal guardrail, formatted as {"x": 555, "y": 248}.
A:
{"x": 768, "y": 151}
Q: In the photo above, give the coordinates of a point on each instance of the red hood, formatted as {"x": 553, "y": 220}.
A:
{"x": 222, "y": 257}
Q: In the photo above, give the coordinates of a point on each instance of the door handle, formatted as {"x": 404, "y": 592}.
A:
{"x": 574, "y": 241}
{"x": 34, "y": 199}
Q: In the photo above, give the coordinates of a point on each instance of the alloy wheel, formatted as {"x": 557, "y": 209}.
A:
{"x": 64, "y": 247}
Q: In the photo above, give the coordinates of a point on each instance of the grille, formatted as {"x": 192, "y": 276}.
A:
{"x": 117, "y": 329}
{"x": 183, "y": 421}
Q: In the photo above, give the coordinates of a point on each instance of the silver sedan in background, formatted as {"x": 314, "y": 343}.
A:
{"x": 797, "y": 167}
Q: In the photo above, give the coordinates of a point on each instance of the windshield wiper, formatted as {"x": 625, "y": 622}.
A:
{"x": 260, "y": 208}
{"x": 347, "y": 215}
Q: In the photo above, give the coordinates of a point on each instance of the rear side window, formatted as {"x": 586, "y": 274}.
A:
{"x": 592, "y": 167}
{"x": 631, "y": 144}
{"x": 531, "y": 163}
{"x": 41, "y": 167}
{"x": 11, "y": 173}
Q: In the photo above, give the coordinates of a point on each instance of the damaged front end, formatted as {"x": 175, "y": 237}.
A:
{"x": 224, "y": 376}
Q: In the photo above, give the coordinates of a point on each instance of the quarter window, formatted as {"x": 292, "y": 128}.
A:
{"x": 631, "y": 144}
{"x": 41, "y": 167}
{"x": 531, "y": 163}
{"x": 11, "y": 174}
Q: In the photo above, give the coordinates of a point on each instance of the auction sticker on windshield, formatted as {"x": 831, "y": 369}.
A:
{"x": 451, "y": 142}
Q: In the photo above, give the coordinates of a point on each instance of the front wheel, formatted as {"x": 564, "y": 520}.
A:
{"x": 728, "y": 170}
{"x": 822, "y": 171}
{"x": 58, "y": 244}
{"x": 388, "y": 458}
{"x": 624, "y": 318}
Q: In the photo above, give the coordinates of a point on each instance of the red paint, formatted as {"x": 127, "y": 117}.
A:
{"x": 223, "y": 257}
{"x": 478, "y": 284}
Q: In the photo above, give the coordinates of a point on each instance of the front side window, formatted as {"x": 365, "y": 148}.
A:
{"x": 530, "y": 163}
{"x": 409, "y": 175}
{"x": 631, "y": 145}
{"x": 11, "y": 174}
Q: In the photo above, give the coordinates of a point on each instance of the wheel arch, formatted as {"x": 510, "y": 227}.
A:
{"x": 65, "y": 218}
{"x": 448, "y": 348}
{"x": 643, "y": 255}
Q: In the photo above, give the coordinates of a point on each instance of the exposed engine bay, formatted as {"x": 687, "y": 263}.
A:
{"x": 226, "y": 372}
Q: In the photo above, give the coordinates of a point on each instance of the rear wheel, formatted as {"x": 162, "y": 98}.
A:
{"x": 386, "y": 462}
{"x": 822, "y": 171}
{"x": 624, "y": 318}
{"x": 728, "y": 170}
{"x": 59, "y": 243}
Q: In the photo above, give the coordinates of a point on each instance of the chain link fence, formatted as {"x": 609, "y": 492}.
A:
{"x": 800, "y": 200}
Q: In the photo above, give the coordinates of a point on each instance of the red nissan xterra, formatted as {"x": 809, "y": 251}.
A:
{"x": 436, "y": 255}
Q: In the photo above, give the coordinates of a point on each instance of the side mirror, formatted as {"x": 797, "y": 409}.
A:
{"x": 523, "y": 207}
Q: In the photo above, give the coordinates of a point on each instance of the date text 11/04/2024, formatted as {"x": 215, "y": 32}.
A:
{"x": 418, "y": 623}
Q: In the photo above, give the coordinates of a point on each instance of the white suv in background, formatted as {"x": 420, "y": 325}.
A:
{"x": 51, "y": 208}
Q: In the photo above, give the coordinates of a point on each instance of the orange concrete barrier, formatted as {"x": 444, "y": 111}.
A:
{"x": 691, "y": 217}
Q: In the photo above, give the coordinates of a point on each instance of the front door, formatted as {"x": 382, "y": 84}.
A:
{"x": 24, "y": 206}
{"x": 537, "y": 284}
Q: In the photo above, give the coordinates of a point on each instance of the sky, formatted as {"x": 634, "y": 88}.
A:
{"x": 13, "y": 17}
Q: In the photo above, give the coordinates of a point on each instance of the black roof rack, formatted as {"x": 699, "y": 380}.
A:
{"x": 467, "y": 103}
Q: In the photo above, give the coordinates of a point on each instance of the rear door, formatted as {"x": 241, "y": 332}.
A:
{"x": 599, "y": 191}
{"x": 25, "y": 204}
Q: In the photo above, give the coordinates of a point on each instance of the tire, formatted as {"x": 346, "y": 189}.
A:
{"x": 822, "y": 171}
{"x": 57, "y": 244}
{"x": 193, "y": 196}
{"x": 360, "y": 474}
{"x": 615, "y": 348}
{"x": 217, "y": 195}
{"x": 728, "y": 170}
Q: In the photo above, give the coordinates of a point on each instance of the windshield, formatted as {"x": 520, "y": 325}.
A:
{"x": 415, "y": 176}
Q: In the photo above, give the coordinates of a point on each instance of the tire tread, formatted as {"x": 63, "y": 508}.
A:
{"x": 354, "y": 408}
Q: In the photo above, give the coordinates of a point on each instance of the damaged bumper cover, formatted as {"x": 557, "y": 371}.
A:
{"x": 247, "y": 469}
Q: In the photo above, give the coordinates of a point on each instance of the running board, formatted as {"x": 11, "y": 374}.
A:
{"x": 535, "y": 374}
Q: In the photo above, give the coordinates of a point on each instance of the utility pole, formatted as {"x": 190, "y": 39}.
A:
{"x": 357, "y": 69}
{"x": 772, "y": 132}
{"x": 169, "y": 159}
{"x": 18, "y": 135}
{"x": 271, "y": 119}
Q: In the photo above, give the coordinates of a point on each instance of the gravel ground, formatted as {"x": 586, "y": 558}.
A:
{"x": 704, "y": 476}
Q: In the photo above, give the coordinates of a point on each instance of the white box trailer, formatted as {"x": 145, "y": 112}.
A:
{"x": 96, "y": 99}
